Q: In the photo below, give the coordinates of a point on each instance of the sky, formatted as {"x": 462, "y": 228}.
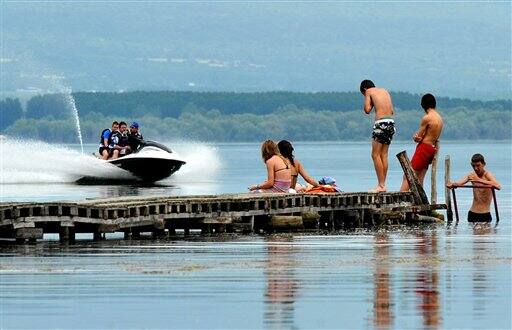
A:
{"x": 456, "y": 49}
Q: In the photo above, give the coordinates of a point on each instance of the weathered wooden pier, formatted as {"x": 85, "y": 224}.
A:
{"x": 244, "y": 213}
{"x": 224, "y": 213}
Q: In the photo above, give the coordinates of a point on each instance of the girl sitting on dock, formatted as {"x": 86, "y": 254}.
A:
{"x": 279, "y": 171}
{"x": 286, "y": 150}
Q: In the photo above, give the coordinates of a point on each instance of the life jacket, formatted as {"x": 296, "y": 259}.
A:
{"x": 114, "y": 139}
{"x": 123, "y": 140}
{"x": 134, "y": 140}
{"x": 101, "y": 136}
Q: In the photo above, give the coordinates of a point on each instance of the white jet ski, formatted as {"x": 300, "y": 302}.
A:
{"x": 151, "y": 162}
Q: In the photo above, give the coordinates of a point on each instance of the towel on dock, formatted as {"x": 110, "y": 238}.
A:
{"x": 323, "y": 188}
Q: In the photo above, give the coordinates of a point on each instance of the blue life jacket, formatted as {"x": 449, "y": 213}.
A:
{"x": 102, "y": 136}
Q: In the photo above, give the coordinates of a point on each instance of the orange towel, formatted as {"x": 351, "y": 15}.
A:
{"x": 321, "y": 189}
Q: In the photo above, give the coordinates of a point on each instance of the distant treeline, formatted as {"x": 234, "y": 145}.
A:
{"x": 243, "y": 116}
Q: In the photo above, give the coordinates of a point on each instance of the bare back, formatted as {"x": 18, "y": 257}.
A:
{"x": 379, "y": 99}
{"x": 278, "y": 169}
{"x": 430, "y": 128}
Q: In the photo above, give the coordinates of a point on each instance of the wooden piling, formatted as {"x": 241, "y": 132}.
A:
{"x": 420, "y": 197}
{"x": 66, "y": 234}
{"x": 96, "y": 235}
{"x": 447, "y": 195}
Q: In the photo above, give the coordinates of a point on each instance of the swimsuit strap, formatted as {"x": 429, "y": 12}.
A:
{"x": 285, "y": 163}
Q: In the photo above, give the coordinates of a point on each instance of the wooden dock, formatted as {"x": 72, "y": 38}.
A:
{"x": 223, "y": 213}
{"x": 242, "y": 213}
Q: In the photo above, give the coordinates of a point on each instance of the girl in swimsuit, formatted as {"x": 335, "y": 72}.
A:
{"x": 286, "y": 149}
{"x": 278, "y": 170}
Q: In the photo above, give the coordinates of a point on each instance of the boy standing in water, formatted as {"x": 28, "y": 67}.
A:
{"x": 383, "y": 128}
{"x": 427, "y": 137}
{"x": 480, "y": 209}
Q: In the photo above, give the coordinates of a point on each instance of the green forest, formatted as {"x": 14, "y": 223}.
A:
{"x": 225, "y": 117}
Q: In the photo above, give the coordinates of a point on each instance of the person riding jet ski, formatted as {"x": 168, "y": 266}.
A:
{"x": 134, "y": 137}
{"x": 106, "y": 141}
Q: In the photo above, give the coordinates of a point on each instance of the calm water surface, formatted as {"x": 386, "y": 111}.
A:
{"x": 425, "y": 277}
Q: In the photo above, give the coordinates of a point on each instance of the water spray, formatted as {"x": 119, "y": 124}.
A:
{"x": 71, "y": 101}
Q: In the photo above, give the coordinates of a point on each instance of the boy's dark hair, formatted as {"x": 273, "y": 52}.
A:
{"x": 428, "y": 101}
{"x": 365, "y": 84}
{"x": 123, "y": 123}
{"x": 478, "y": 158}
{"x": 115, "y": 123}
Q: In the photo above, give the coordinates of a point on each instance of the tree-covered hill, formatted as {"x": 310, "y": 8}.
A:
{"x": 243, "y": 116}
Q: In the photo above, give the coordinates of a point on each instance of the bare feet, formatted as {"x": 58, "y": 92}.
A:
{"x": 378, "y": 189}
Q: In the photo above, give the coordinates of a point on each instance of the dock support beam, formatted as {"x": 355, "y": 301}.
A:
{"x": 96, "y": 235}
{"x": 67, "y": 234}
{"x": 447, "y": 196}
{"x": 28, "y": 233}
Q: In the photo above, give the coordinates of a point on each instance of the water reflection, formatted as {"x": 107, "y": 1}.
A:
{"x": 111, "y": 191}
{"x": 427, "y": 279}
{"x": 482, "y": 250}
{"x": 282, "y": 284}
{"x": 382, "y": 305}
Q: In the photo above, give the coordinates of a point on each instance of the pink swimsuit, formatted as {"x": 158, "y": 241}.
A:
{"x": 280, "y": 186}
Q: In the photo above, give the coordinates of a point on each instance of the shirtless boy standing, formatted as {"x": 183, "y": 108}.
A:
{"x": 427, "y": 137}
{"x": 383, "y": 128}
{"x": 482, "y": 197}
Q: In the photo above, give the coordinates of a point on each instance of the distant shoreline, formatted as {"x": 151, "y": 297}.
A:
{"x": 230, "y": 116}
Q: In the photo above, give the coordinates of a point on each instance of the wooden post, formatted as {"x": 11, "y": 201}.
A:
{"x": 447, "y": 196}
{"x": 433, "y": 178}
{"x": 420, "y": 197}
{"x": 66, "y": 234}
{"x": 96, "y": 235}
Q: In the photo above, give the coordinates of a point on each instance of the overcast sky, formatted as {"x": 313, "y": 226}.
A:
{"x": 460, "y": 49}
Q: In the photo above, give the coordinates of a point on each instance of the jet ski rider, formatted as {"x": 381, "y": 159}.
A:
{"x": 134, "y": 137}
{"x": 105, "y": 140}
{"x": 119, "y": 141}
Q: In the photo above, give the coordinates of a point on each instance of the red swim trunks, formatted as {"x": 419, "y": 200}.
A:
{"x": 423, "y": 156}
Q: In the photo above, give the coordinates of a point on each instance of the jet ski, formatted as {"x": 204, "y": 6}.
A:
{"x": 151, "y": 162}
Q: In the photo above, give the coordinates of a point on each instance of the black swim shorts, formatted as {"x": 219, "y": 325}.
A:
{"x": 105, "y": 148}
{"x": 383, "y": 130}
{"x": 479, "y": 217}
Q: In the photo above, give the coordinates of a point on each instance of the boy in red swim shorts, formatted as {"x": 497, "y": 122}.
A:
{"x": 427, "y": 137}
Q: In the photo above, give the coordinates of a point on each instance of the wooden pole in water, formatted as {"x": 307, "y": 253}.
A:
{"x": 420, "y": 197}
{"x": 447, "y": 196}
{"x": 433, "y": 178}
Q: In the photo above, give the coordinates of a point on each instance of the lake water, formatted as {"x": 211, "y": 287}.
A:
{"x": 426, "y": 277}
